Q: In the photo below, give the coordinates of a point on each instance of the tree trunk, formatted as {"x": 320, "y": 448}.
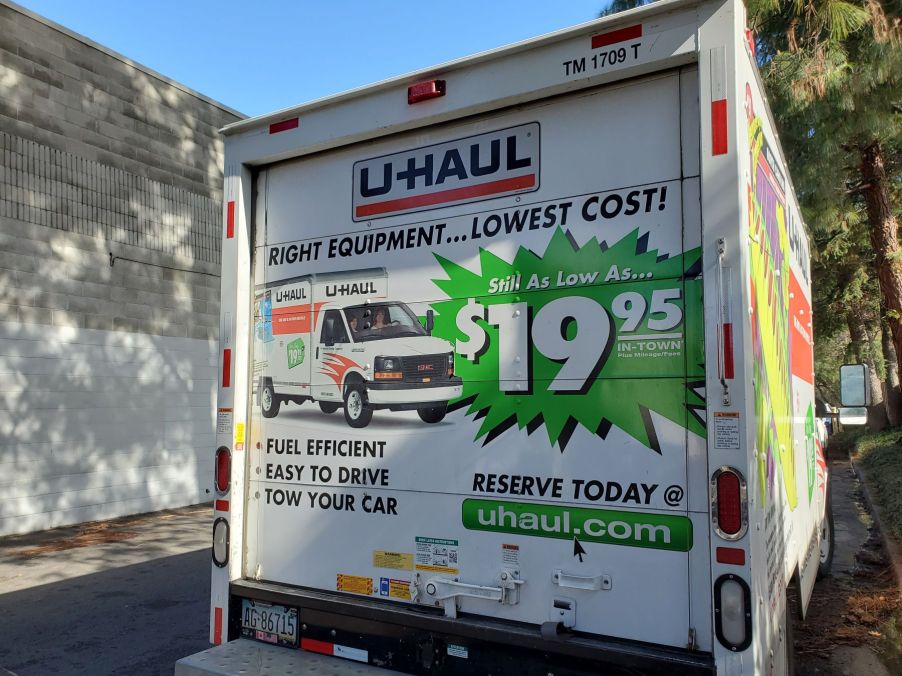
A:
{"x": 884, "y": 237}
{"x": 893, "y": 391}
{"x": 863, "y": 352}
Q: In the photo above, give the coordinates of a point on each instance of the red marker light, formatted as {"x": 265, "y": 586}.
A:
{"x": 423, "y": 91}
{"x": 731, "y": 555}
{"x": 284, "y": 125}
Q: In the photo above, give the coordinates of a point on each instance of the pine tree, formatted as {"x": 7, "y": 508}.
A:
{"x": 616, "y": 6}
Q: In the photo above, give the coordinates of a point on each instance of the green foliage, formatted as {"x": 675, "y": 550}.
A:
{"x": 880, "y": 454}
{"x": 844, "y": 442}
{"x": 891, "y": 645}
{"x": 615, "y": 6}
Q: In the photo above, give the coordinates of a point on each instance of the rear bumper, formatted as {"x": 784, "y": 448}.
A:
{"x": 402, "y": 637}
{"x": 232, "y": 659}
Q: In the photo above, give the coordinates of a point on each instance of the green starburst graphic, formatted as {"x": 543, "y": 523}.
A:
{"x": 650, "y": 361}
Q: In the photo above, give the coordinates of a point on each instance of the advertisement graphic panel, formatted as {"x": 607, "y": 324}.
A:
{"x": 460, "y": 390}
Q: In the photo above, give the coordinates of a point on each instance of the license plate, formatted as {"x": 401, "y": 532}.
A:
{"x": 269, "y": 622}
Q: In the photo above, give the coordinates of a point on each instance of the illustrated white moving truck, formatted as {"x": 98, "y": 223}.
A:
{"x": 601, "y": 226}
{"x": 336, "y": 339}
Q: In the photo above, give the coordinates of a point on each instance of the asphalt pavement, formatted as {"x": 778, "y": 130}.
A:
{"x": 128, "y": 596}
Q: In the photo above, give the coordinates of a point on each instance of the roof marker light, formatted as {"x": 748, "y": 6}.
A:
{"x": 619, "y": 35}
{"x": 284, "y": 125}
{"x": 423, "y": 91}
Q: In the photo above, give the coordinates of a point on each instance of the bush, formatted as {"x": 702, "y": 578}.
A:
{"x": 880, "y": 455}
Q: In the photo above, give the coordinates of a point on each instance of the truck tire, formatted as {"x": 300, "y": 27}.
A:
{"x": 269, "y": 400}
{"x": 328, "y": 407}
{"x": 827, "y": 539}
{"x": 357, "y": 413}
{"x": 433, "y": 414}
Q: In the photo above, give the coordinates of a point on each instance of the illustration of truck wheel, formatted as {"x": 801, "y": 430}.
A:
{"x": 357, "y": 414}
{"x": 433, "y": 414}
{"x": 328, "y": 407}
{"x": 269, "y": 401}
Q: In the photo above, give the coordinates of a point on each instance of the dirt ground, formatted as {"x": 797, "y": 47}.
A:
{"x": 850, "y": 627}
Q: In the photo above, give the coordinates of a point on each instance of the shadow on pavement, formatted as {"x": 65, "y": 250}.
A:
{"x": 133, "y": 619}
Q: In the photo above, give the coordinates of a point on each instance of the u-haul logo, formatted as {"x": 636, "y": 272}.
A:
{"x": 498, "y": 163}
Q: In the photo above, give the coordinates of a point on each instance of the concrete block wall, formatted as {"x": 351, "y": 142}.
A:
{"x": 110, "y": 230}
{"x": 46, "y": 186}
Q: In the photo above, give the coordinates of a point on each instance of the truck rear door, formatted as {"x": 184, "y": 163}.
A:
{"x": 557, "y": 246}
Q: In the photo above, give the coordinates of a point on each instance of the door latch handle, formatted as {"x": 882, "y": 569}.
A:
{"x": 573, "y": 581}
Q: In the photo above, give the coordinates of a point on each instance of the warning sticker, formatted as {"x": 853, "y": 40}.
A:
{"x": 510, "y": 555}
{"x": 239, "y": 436}
{"x": 399, "y": 589}
{"x": 436, "y": 555}
{"x": 396, "y": 560}
{"x": 355, "y": 584}
{"x": 395, "y": 589}
{"x": 726, "y": 431}
{"x": 223, "y": 421}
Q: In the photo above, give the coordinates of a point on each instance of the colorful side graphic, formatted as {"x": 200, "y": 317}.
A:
{"x": 770, "y": 280}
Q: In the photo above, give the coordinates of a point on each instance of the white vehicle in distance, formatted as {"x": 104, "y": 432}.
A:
{"x": 337, "y": 340}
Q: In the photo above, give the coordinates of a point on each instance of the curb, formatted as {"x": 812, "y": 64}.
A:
{"x": 890, "y": 545}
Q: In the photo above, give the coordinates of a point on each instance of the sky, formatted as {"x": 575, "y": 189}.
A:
{"x": 265, "y": 55}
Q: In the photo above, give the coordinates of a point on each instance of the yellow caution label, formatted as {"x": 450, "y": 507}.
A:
{"x": 354, "y": 584}
{"x": 436, "y": 569}
{"x": 399, "y": 589}
{"x": 396, "y": 560}
{"x": 239, "y": 436}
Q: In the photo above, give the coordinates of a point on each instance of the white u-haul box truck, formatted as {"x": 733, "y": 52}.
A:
{"x": 580, "y": 259}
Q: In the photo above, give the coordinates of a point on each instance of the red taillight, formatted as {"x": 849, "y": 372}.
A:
{"x": 423, "y": 91}
{"x": 728, "y": 497}
{"x": 729, "y": 504}
{"x": 223, "y": 470}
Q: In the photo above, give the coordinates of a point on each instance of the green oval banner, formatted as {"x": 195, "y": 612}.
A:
{"x": 604, "y": 526}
